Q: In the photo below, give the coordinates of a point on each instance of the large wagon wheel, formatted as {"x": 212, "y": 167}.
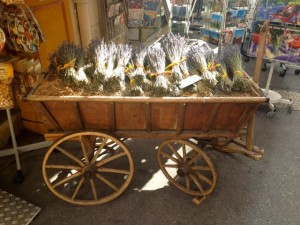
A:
{"x": 187, "y": 167}
{"x": 87, "y": 168}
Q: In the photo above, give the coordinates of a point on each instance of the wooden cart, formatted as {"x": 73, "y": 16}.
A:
{"x": 89, "y": 164}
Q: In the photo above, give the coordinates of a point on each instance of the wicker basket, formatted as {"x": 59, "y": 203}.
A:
{"x": 6, "y": 88}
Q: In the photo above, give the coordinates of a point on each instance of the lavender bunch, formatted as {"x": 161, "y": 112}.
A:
{"x": 138, "y": 80}
{"x": 231, "y": 55}
{"x": 197, "y": 60}
{"x": 174, "y": 45}
{"x": 69, "y": 62}
{"x": 111, "y": 82}
{"x": 157, "y": 60}
{"x": 97, "y": 54}
{"x": 225, "y": 83}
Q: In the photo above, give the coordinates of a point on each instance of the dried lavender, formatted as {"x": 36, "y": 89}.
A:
{"x": 224, "y": 82}
{"x": 196, "y": 60}
{"x": 111, "y": 83}
{"x": 123, "y": 56}
{"x": 174, "y": 45}
{"x": 157, "y": 60}
{"x": 97, "y": 57}
{"x": 97, "y": 54}
{"x": 69, "y": 61}
{"x": 231, "y": 55}
{"x": 138, "y": 80}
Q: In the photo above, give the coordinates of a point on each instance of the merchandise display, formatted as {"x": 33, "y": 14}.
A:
{"x": 143, "y": 13}
{"x": 283, "y": 42}
{"x": 21, "y": 27}
{"x": 117, "y": 69}
{"x": 221, "y": 22}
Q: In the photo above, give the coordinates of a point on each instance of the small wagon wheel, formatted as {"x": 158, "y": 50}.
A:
{"x": 87, "y": 168}
{"x": 187, "y": 167}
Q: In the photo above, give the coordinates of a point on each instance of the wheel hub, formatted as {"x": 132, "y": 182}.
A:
{"x": 182, "y": 171}
{"x": 89, "y": 171}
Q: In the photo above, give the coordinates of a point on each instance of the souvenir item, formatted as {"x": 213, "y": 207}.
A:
{"x": 21, "y": 28}
{"x": 2, "y": 39}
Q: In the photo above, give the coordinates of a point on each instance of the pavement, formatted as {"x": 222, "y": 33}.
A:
{"x": 248, "y": 192}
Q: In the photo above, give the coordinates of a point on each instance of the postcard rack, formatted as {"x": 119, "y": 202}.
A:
{"x": 282, "y": 44}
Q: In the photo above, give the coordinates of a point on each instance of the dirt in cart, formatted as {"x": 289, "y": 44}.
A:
{"x": 56, "y": 87}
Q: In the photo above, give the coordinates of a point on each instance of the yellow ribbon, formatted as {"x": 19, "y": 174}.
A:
{"x": 176, "y": 63}
{"x": 212, "y": 66}
{"x": 163, "y": 73}
{"x": 238, "y": 72}
{"x": 127, "y": 69}
{"x": 67, "y": 65}
{"x": 224, "y": 75}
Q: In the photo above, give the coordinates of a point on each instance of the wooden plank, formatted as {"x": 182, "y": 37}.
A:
{"x": 180, "y": 118}
{"x": 130, "y": 116}
{"x": 261, "y": 51}
{"x": 197, "y": 115}
{"x": 45, "y": 116}
{"x": 95, "y": 115}
{"x": 241, "y": 99}
{"x": 212, "y": 117}
{"x": 64, "y": 113}
{"x": 35, "y": 127}
{"x": 28, "y": 112}
{"x": 112, "y": 117}
{"x": 78, "y": 115}
{"x": 164, "y": 116}
{"x": 148, "y": 116}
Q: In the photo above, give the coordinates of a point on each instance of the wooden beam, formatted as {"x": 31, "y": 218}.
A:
{"x": 261, "y": 50}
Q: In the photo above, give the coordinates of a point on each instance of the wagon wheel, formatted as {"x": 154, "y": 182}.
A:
{"x": 187, "y": 167}
{"x": 87, "y": 168}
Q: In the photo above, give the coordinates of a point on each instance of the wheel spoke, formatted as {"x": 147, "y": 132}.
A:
{"x": 188, "y": 182}
{"x": 175, "y": 152}
{"x": 82, "y": 139}
{"x": 69, "y": 155}
{"x": 78, "y": 188}
{"x": 192, "y": 160}
{"x": 111, "y": 170}
{"x": 63, "y": 167}
{"x": 204, "y": 178}
{"x": 197, "y": 183}
{"x": 170, "y": 165}
{"x": 104, "y": 161}
{"x": 99, "y": 151}
{"x": 203, "y": 168}
{"x": 183, "y": 152}
{"x": 71, "y": 177}
{"x": 169, "y": 157}
{"x": 175, "y": 178}
{"x": 107, "y": 182}
{"x": 94, "y": 189}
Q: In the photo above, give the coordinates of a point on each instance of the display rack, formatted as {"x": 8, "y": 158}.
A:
{"x": 282, "y": 45}
{"x": 114, "y": 21}
{"x": 180, "y": 16}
